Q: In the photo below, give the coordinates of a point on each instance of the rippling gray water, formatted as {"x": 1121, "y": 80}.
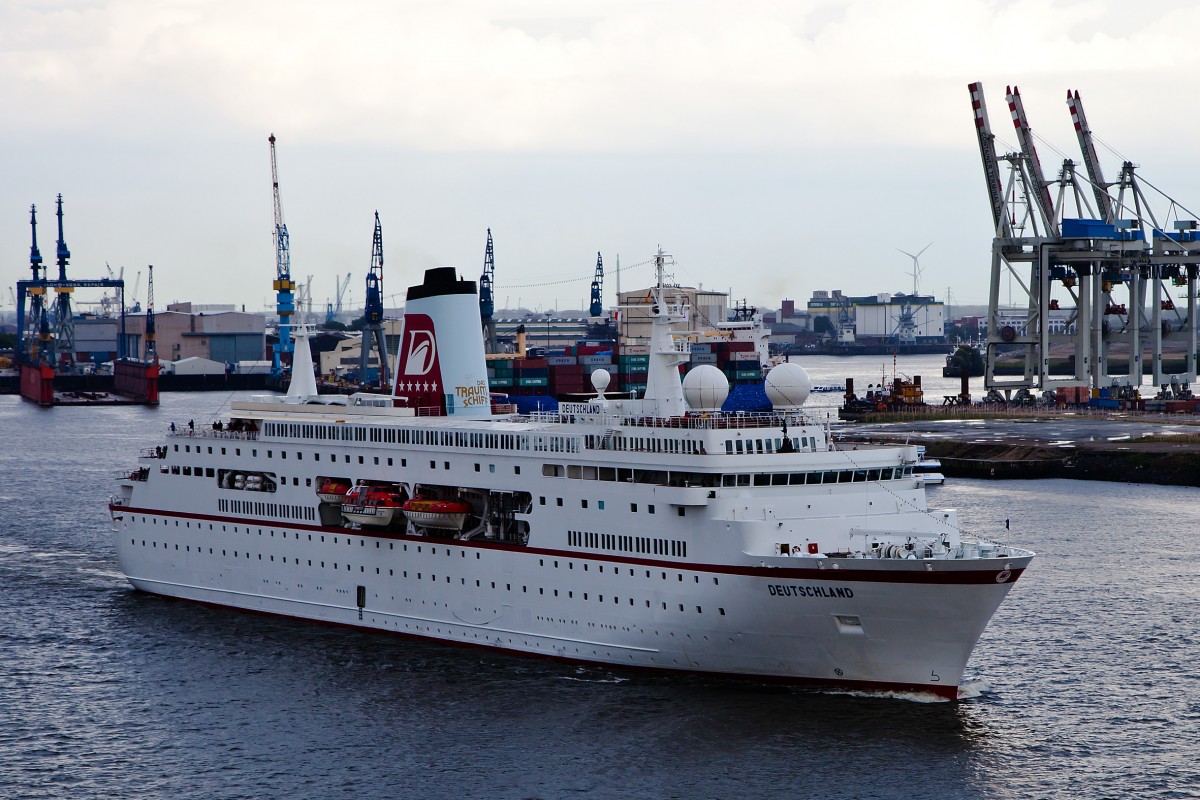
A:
{"x": 1085, "y": 684}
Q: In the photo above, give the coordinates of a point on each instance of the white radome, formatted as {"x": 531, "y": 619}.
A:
{"x": 787, "y": 386}
{"x": 705, "y": 388}
{"x": 600, "y": 380}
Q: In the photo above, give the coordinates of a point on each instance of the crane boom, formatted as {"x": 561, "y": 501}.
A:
{"x": 991, "y": 167}
{"x": 1091, "y": 162}
{"x": 487, "y": 303}
{"x": 151, "y": 353}
{"x": 1025, "y": 138}
{"x": 597, "y": 304}
{"x": 285, "y": 301}
{"x": 373, "y": 338}
{"x": 487, "y": 300}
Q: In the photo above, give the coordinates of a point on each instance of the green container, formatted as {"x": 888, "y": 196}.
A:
{"x": 533, "y": 381}
{"x": 499, "y": 381}
{"x": 747, "y": 374}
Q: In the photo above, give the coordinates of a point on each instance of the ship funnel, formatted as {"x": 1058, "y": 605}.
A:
{"x": 441, "y": 368}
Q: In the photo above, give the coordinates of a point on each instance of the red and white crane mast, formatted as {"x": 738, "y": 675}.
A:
{"x": 1104, "y": 203}
{"x": 1041, "y": 187}
{"x": 991, "y": 166}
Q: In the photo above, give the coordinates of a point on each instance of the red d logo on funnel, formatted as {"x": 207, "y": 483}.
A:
{"x": 420, "y": 357}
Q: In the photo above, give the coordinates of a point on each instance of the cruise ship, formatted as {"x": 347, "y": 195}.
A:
{"x": 655, "y": 533}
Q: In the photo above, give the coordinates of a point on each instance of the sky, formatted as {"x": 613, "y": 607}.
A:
{"x": 772, "y": 148}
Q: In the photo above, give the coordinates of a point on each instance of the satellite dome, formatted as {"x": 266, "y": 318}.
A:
{"x": 705, "y": 388}
{"x": 787, "y": 386}
{"x": 600, "y": 381}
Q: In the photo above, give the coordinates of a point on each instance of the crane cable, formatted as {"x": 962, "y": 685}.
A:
{"x": 571, "y": 280}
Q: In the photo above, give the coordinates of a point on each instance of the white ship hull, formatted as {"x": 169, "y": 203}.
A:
{"x": 882, "y": 624}
{"x": 645, "y": 533}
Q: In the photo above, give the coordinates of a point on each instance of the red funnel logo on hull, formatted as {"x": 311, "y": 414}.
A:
{"x": 419, "y": 378}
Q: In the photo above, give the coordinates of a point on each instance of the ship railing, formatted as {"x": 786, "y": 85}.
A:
{"x": 700, "y": 421}
{"x": 205, "y": 433}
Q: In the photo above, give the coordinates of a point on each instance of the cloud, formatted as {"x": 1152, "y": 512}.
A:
{"x": 622, "y": 76}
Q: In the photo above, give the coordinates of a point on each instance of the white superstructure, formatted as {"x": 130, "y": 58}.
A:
{"x": 640, "y": 533}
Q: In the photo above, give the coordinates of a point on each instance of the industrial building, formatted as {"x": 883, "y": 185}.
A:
{"x": 226, "y": 336}
{"x": 879, "y": 318}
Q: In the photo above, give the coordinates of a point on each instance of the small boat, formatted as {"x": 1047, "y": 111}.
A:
{"x": 927, "y": 470}
{"x": 332, "y": 490}
{"x": 372, "y": 505}
{"x": 447, "y": 514}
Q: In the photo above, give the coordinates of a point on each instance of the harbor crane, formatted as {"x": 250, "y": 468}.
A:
{"x": 1091, "y": 162}
{"x": 487, "y": 301}
{"x": 151, "y": 350}
{"x": 596, "y": 308}
{"x": 373, "y": 338}
{"x": 1116, "y": 283}
{"x": 284, "y": 287}
{"x": 64, "y": 333}
{"x": 39, "y": 322}
{"x": 334, "y": 310}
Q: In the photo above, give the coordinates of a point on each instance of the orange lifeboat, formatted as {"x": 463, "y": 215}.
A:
{"x": 444, "y": 514}
{"x": 371, "y": 505}
{"x": 332, "y": 490}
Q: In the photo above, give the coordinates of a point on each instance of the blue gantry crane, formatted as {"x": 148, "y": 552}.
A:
{"x": 373, "y": 339}
{"x": 285, "y": 298}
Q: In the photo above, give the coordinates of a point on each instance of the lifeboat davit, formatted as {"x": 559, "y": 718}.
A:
{"x": 332, "y": 490}
{"x": 445, "y": 514}
{"x": 373, "y": 506}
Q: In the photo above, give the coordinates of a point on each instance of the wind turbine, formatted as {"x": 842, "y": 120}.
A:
{"x": 916, "y": 273}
